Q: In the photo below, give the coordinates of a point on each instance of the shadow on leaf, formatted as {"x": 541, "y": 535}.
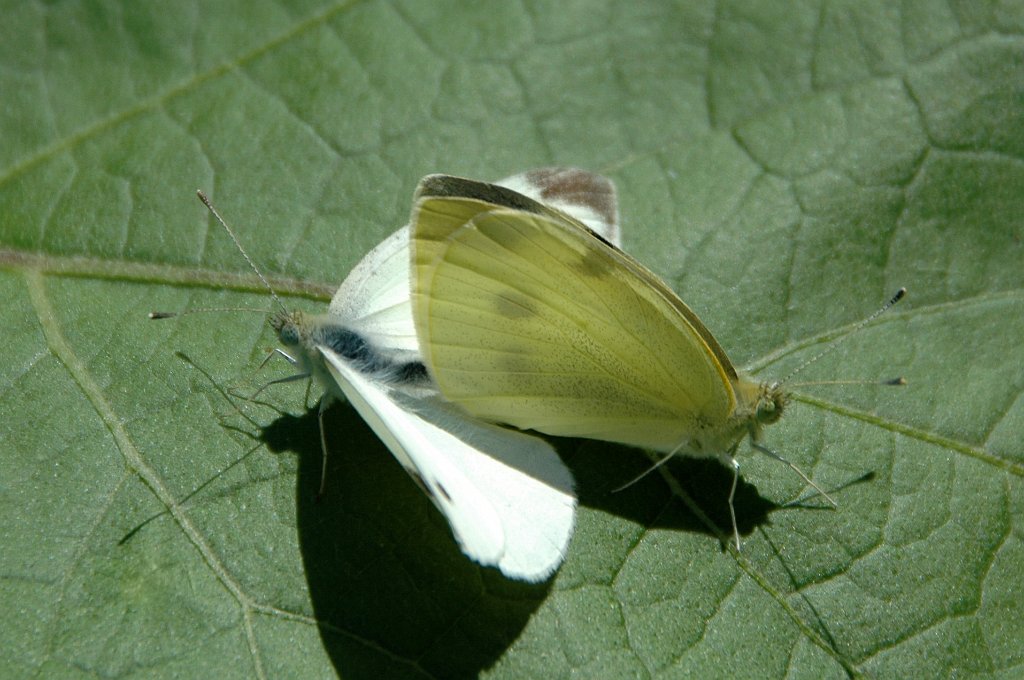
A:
{"x": 391, "y": 589}
{"x": 393, "y": 593}
{"x": 601, "y": 469}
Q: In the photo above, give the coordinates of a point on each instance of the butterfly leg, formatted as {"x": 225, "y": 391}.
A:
{"x": 730, "y": 460}
{"x": 291, "y": 378}
{"x": 325, "y": 403}
{"x": 278, "y": 351}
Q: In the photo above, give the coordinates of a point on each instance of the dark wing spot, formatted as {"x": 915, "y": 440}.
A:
{"x": 515, "y": 360}
{"x": 577, "y": 187}
{"x": 420, "y": 482}
{"x": 591, "y": 264}
{"x": 514, "y": 306}
{"x": 444, "y": 492}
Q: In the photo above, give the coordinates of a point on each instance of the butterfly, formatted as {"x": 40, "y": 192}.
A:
{"x": 507, "y": 496}
{"x": 527, "y": 317}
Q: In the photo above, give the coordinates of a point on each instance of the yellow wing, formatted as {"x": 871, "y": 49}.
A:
{"x": 526, "y": 317}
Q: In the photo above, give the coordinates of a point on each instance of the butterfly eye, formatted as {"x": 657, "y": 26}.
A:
{"x": 287, "y": 329}
{"x": 289, "y": 335}
{"x": 770, "y": 405}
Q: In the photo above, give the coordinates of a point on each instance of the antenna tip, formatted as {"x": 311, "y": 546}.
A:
{"x": 896, "y": 381}
{"x": 162, "y": 315}
{"x": 899, "y": 295}
{"x": 203, "y": 198}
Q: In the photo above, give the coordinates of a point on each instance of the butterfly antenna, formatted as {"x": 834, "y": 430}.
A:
{"x": 899, "y": 295}
{"x": 238, "y": 244}
{"x": 171, "y": 315}
{"x": 892, "y": 382}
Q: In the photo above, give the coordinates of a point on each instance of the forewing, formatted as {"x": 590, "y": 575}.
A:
{"x": 374, "y": 298}
{"x": 529, "y": 320}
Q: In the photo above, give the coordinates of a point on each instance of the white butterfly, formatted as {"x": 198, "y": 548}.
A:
{"x": 507, "y": 495}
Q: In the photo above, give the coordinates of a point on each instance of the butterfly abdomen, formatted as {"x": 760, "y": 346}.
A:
{"x": 367, "y": 359}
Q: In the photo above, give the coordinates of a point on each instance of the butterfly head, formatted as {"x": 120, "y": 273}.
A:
{"x": 771, "y": 402}
{"x": 292, "y": 328}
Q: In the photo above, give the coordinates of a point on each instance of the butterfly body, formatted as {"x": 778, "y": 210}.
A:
{"x": 305, "y": 335}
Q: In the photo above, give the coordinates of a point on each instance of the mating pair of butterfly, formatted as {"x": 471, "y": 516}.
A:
{"x": 511, "y": 304}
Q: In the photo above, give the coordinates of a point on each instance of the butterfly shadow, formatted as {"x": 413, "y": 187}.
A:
{"x": 390, "y": 589}
{"x": 622, "y": 481}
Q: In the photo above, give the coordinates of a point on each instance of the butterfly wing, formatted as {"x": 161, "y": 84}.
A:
{"x": 526, "y": 318}
{"x": 507, "y": 496}
{"x": 582, "y": 195}
{"x": 374, "y": 298}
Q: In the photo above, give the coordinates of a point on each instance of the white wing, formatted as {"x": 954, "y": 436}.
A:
{"x": 374, "y": 299}
{"x": 582, "y": 195}
{"x": 507, "y": 496}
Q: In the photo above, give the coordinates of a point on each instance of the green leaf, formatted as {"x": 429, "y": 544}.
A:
{"x": 786, "y": 167}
